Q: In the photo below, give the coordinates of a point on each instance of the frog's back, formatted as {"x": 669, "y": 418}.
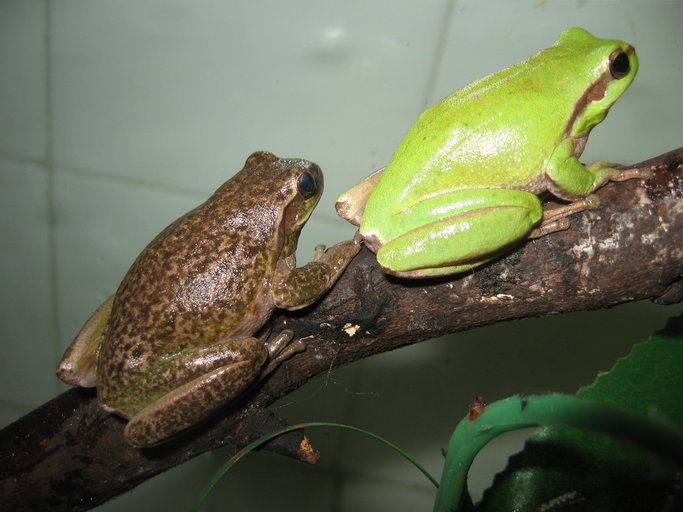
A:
{"x": 497, "y": 131}
{"x": 205, "y": 277}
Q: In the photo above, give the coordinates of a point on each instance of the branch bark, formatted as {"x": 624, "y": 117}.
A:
{"x": 70, "y": 455}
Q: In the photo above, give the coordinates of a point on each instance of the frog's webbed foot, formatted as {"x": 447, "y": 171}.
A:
{"x": 319, "y": 252}
{"x": 280, "y": 349}
{"x": 550, "y": 227}
{"x": 556, "y": 219}
{"x": 339, "y": 254}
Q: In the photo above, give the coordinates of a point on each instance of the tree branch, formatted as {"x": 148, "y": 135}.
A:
{"x": 70, "y": 455}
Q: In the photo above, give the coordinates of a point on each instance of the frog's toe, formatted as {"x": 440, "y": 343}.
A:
{"x": 283, "y": 352}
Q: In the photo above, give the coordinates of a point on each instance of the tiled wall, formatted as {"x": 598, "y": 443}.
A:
{"x": 116, "y": 117}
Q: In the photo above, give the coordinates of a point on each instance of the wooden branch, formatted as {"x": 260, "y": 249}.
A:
{"x": 70, "y": 455}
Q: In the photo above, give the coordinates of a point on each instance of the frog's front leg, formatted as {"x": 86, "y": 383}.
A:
{"x": 297, "y": 287}
{"x": 570, "y": 179}
{"x": 468, "y": 228}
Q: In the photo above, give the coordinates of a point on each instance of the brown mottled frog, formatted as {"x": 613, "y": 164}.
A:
{"x": 176, "y": 341}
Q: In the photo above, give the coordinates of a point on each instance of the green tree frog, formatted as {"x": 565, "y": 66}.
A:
{"x": 462, "y": 186}
{"x": 177, "y": 340}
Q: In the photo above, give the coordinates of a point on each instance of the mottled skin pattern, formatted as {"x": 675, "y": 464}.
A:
{"x": 178, "y": 342}
{"x": 186, "y": 291}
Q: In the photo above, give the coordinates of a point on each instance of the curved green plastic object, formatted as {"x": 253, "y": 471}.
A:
{"x": 553, "y": 409}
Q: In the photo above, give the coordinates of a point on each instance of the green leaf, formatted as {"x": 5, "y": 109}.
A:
{"x": 588, "y": 471}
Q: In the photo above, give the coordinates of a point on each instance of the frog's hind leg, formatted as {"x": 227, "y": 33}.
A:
{"x": 478, "y": 226}
{"x": 195, "y": 400}
{"x": 351, "y": 204}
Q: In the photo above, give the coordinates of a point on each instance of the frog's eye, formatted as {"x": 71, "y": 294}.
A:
{"x": 307, "y": 185}
{"x": 619, "y": 65}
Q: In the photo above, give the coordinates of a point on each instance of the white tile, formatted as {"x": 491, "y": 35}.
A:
{"x": 180, "y": 93}
{"x": 23, "y": 85}
{"x": 100, "y": 228}
{"x": 652, "y": 121}
{"x": 27, "y": 332}
{"x": 291, "y": 485}
{"x": 327, "y": 397}
{"x": 370, "y": 495}
{"x": 479, "y": 44}
{"x": 406, "y": 397}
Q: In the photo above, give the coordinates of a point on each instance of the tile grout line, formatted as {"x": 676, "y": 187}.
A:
{"x": 142, "y": 184}
{"x": 439, "y": 52}
{"x": 49, "y": 165}
{"x": 103, "y": 177}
